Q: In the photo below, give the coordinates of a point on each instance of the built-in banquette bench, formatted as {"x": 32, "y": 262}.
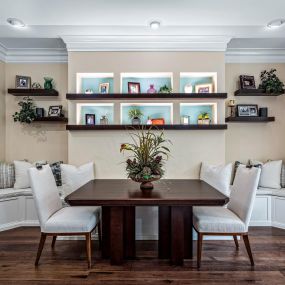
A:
{"x": 17, "y": 208}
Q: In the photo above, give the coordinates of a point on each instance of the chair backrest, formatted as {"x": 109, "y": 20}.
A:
{"x": 243, "y": 192}
{"x": 45, "y": 192}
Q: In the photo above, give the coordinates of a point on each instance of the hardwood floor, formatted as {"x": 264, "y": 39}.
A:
{"x": 66, "y": 264}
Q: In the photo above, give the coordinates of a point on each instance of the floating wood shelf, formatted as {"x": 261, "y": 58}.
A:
{"x": 126, "y": 96}
{"x": 52, "y": 119}
{"x": 256, "y": 92}
{"x": 32, "y": 92}
{"x": 250, "y": 119}
{"x": 130, "y": 127}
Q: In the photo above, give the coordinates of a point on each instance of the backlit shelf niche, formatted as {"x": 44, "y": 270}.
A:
{"x": 92, "y": 81}
{"x": 195, "y": 79}
{"x": 158, "y": 79}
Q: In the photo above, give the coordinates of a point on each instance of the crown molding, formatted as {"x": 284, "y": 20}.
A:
{"x": 2, "y": 53}
{"x": 146, "y": 43}
{"x": 255, "y": 56}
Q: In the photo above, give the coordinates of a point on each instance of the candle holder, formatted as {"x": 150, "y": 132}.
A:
{"x": 232, "y": 106}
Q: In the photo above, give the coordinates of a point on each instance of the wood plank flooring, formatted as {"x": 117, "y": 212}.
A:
{"x": 221, "y": 263}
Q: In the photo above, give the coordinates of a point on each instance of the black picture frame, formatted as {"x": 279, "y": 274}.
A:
{"x": 55, "y": 111}
{"x": 247, "y": 110}
{"x": 90, "y": 119}
{"x": 23, "y": 82}
{"x": 247, "y": 82}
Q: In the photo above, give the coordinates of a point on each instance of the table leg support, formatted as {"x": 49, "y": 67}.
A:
{"x": 164, "y": 229}
{"x": 106, "y": 232}
{"x": 129, "y": 232}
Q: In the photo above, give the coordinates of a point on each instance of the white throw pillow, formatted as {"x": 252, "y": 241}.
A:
{"x": 270, "y": 173}
{"x": 218, "y": 176}
{"x": 74, "y": 177}
{"x": 22, "y": 179}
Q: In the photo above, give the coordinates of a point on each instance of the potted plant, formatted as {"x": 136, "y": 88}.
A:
{"x": 135, "y": 116}
{"x": 27, "y": 113}
{"x": 270, "y": 83}
{"x": 204, "y": 119}
{"x": 149, "y": 152}
{"x": 165, "y": 89}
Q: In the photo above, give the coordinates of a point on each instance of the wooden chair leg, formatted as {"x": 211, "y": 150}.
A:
{"x": 53, "y": 242}
{"x": 88, "y": 249}
{"x": 99, "y": 234}
{"x": 236, "y": 242}
{"x": 40, "y": 249}
{"x": 248, "y": 249}
{"x": 199, "y": 249}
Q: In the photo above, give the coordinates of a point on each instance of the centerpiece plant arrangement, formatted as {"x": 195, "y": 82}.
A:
{"x": 27, "y": 113}
{"x": 270, "y": 82}
{"x": 149, "y": 152}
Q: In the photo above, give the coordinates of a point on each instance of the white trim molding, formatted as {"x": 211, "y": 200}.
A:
{"x": 146, "y": 43}
{"x": 255, "y": 56}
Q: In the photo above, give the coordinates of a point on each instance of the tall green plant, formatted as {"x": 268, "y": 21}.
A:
{"x": 149, "y": 151}
{"x": 270, "y": 82}
{"x": 27, "y": 113}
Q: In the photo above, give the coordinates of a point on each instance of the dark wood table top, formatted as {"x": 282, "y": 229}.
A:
{"x": 166, "y": 192}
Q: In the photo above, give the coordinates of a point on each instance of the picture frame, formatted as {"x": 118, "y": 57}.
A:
{"x": 134, "y": 87}
{"x": 55, "y": 111}
{"x": 204, "y": 88}
{"x": 90, "y": 119}
{"x": 104, "y": 88}
{"x": 244, "y": 110}
{"x": 247, "y": 82}
{"x": 23, "y": 82}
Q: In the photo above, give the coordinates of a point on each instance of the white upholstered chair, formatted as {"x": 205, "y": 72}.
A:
{"x": 56, "y": 220}
{"x": 233, "y": 220}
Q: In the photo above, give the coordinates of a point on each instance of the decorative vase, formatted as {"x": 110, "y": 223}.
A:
{"x": 48, "y": 83}
{"x": 146, "y": 185}
{"x": 136, "y": 121}
{"x": 151, "y": 89}
{"x": 104, "y": 120}
{"x": 188, "y": 88}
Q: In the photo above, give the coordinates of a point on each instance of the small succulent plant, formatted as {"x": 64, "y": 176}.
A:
{"x": 27, "y": 113}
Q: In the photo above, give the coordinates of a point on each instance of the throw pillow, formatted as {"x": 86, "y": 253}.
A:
{"x": 22, "y": 180}
{"x": 7, "y": 175}
{"x": 270, "y": 173}
{"x": 74, "y": 177}
{"x": 56, "y": 171}
{"x": 218, "y": 176}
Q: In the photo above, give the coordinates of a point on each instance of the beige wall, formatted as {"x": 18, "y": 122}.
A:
{"x": 189, "y": 147}
{"x": 2, "y": 110}
{"x": 38, "y": 141}
{"x": 257, "y": 141}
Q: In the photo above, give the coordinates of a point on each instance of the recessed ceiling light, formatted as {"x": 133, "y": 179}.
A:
{"x": 154, "y": 25}
{"x": 16, "y": 23}
{"x": 276, "y": 23}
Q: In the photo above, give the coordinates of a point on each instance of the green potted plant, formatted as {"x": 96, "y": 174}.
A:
{"x": 165, "y": 89}
{"x": 27, "y": 113}
{"x": 270, "y": 83}
{"x": 149, "y": 152}
{"x": 204, "y": 119}
{"x": 135, "y": 115}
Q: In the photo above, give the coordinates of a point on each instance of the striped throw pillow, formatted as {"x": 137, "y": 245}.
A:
{"x": 7, "y": 175}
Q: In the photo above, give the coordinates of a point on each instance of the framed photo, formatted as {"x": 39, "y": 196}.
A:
{"x": 134, "y": 87}
{"x": 104, "y": 88}
{"x": 204, "y": 88}
{"x": 23, "y": 82}
{"x": 55, "y": 111}
{"x": 247, "y": 110}
{"x": 247, "y": 82}
{"x": 90, "y": 119}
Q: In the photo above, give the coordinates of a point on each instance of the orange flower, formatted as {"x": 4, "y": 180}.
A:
{"x": 125, "y": 146}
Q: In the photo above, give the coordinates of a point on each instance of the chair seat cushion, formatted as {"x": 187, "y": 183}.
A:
{"x": 217, "y": 220}
{"x": 73, "y": 220}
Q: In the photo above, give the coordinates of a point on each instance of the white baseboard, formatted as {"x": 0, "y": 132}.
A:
{"x": 260, "y": 224}
{"x": 17, "y": 224}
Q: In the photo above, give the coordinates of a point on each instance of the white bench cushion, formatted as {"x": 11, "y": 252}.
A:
{"x": 217, "y": 220}
{"x": 11, "y": 192}
{"x": 72, "y": 220}
{"x": 270, "y": 191}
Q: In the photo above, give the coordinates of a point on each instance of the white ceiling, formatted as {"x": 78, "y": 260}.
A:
{"x": 237, "y": 19}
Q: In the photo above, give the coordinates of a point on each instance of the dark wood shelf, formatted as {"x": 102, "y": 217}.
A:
{"x": 250, "y": 119}
{"x": 52, "y": 119}
{"x": 256, "y": 92}
{"x": 32, "y": 92}
{"x": 126, "y": 96}
{"x": 130, "y": 127}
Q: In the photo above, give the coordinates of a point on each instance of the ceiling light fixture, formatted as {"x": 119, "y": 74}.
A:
{"x": 154, "y": 25}
{"x": 16, "y": 23}
{"x": 276, "y": 23}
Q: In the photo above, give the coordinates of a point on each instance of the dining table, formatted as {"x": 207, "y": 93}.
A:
{"x": 175, "y": 199}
